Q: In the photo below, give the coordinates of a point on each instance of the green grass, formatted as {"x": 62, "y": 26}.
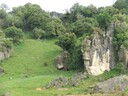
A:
{"x": 32, "y": 66}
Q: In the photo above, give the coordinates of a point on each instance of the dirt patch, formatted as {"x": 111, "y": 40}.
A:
{"x": 39, "y": 89}
{"x": 62, "y": 89}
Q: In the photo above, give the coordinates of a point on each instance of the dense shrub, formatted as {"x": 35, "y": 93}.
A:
{"x": 4, "y": 42}
{"x": 77, "y": 62}
{"x": 67, "y": 41}
{"x": 38, "y": 33}
{"x": 16, "y": 34}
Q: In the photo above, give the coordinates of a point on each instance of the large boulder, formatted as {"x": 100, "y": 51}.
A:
{"x": 98, "y": 52}
{"x": 119, "y": 83}
{"x": 62, "y": 61}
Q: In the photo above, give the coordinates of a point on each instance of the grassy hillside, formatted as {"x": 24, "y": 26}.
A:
{"x": 32, "y": 66}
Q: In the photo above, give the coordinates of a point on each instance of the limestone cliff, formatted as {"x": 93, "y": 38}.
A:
{"x": 98, "y": 52}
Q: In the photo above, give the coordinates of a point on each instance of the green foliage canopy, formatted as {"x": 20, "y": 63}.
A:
{"x": 104, "y": 20}
{"x": 16, "y": 34}
{"x": 67, "y": 41}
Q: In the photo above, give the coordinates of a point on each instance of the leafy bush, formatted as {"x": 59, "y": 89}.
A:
{"x": 7, "y": 43}
{"x": 16, "y": 34}
{"x": 37, "y": 33}
{"x": 4, "y": 42}
{"x": 77, "y": 62}
{"x": 66, "y": 41}
{"x": 83, "y": 25}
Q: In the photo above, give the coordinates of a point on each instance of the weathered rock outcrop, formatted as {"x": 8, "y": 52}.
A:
{"x": 119, "y": 83}
{"x": 98, "y": 52}
{"x": 123, "y": 55}
{"x": 62, "y": 60}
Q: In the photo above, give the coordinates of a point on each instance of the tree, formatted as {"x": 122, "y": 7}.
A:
{"x": 109, "y": 9}
{"x": 120, "y": 35}
{"x": 67, "y": 41}
{"x": 54, "y": 28}
{"x": 30, "y": 16}
{"x": 4, "y": 42}
{"x": 103, "y": 20}
{"x": 89, "y": 11}
{"x": 83, "y": 25}
{"x": 16, "y": 34}
{"x": 120, "y": 4}
{"x": 4, "y": 7}
{"x": 3, "y": 14}
{"x": 34, "y": 16}
{"x": 58, "y": 27}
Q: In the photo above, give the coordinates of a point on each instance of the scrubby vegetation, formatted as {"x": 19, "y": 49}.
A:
{"x": 32, "y": 65}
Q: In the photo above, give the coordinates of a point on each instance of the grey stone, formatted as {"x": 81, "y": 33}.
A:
{"x": 63, "y": 81}
{"x": 58, "y": 82}
{"x": 62, "y": 60}
{"x": 119, "y": 83}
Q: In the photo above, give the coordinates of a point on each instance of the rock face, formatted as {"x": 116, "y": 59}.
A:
{"x": 119, "y": 83}
{"x": 123, "y": 55}
{"x": 98, "y": 52}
